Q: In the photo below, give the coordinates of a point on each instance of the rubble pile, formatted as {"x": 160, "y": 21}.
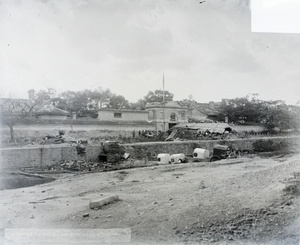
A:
{"x": 59, "y": 139}
{"x": 140, "y": 153}
{"x": 114, "y": 151}
{"x": 78, "y": 165}
{"x": 83, "y": 166}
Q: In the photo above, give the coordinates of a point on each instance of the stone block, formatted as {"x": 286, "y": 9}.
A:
{"x": 104, "y": 201}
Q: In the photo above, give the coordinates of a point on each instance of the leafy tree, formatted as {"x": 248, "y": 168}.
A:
{"x": 66, "y": 101}
{"x": 278, "y": 114}
{"x": 139, "y": 105}
{"x": 295, "y": 114}
{"x": 45, "y": 96}
{"x": 153, "y": 96}
{"x": 86, "y": 102}
{"x": 99, "y": 98}
{"x": 118, "y": 102}
{"x": 14, "y": 111}
{"x": 188, "y": 102}
{"x": 158, "y": 96}
{"x": 240, "y": 110}
{"x": 252, "y": 110}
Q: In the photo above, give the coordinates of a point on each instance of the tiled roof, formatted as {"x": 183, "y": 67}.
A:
{"x": 51, "y": 110}
{"x": 21, "y": 104}
{"x": 168, "y": 104}
{"x": 206, "y": 109}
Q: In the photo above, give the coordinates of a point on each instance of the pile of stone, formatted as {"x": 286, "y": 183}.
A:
{"x": 59, "y": 139}
{"x": 114, "y": 152}
{"x": 77, "y": 165}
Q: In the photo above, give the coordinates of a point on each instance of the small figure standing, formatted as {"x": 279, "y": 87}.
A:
{"x": 226, "y": 135}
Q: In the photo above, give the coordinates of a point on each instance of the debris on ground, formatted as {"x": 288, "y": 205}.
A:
{"x": 59, "y": 139}
{"x": 77, "y": 165}
{"x": 254, "y": 202}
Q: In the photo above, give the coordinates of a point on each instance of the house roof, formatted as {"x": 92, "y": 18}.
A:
{"x": 123, "y": 110}
{"x": 51, "y": 110}
{"x": 199, "y": 119}
{"x": 211, "y": 127}
{"x": 17, "y": 106}
{"x": 206, "y": 109}
{"x": 168, "y": 104}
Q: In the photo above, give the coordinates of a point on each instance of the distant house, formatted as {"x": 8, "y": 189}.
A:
{"x": 122, "y": 115}
{"x": 22, "y": 106}
{"x": 203, "y": 112}
{"x": 166, "y": 115}
{"x": 203, "y": 127}
{"x": 51, "y": 112}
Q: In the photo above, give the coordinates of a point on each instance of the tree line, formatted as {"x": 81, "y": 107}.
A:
{"x": 251, "y": 110}
{"x": 86, "y": 103}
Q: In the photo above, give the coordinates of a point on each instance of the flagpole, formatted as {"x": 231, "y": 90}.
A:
{"x": 164, "y": 127}
{"x": 163, "y": 87}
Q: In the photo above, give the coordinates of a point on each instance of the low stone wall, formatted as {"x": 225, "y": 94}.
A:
{"x": 15, "y": 158}
{"x": 151, "y": 150}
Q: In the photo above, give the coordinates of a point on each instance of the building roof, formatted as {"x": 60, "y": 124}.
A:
{"x": 206, "y": 109}
{"x": 123, "y": 110}
{"x": 211, "y": 127}
{"x": 17, "y": 106}
{"x": 51, "y": 110}
{"x": 168, "y": 104}
{"x": 199, "y": 119}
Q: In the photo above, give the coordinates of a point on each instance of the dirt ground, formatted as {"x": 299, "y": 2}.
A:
{"x": 249, "y": 200}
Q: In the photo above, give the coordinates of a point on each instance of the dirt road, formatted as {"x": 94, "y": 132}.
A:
{"x": 242, "y": 201}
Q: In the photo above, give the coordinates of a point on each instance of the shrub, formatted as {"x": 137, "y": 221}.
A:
{"x": 61, "y": 132}
{"x": 270, "y": 146}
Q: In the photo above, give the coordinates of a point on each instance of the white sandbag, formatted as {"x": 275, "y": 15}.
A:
{"x": 164, "y": 158}
{"x": 200, "y": 153}
{"x": 177, "y": 158}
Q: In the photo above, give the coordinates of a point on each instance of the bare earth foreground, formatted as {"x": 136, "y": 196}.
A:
{"x": 250, "y": 200}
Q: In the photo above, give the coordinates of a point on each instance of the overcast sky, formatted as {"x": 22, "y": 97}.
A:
{"x": 206, "y": 50}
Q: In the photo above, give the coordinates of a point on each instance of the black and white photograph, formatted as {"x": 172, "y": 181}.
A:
{"x": 150, "y": 122}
